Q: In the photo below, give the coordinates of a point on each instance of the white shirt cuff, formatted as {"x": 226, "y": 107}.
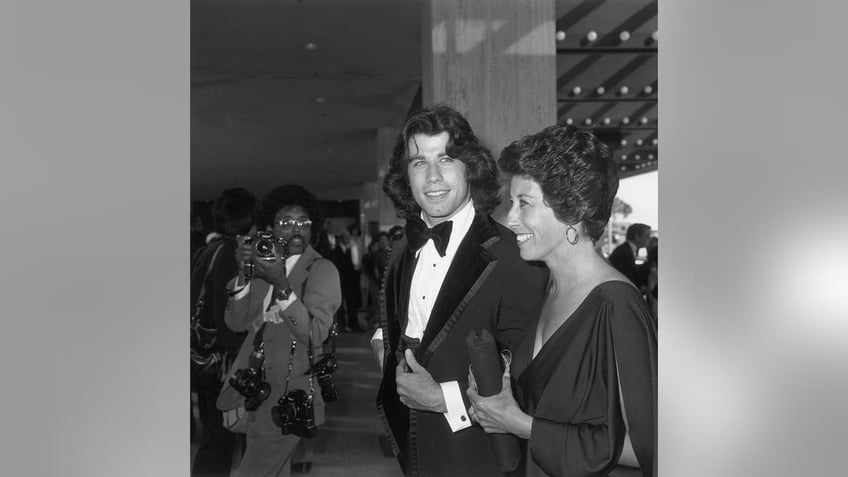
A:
{"x": 378, "y": 335}
{"x": 456, "y": 415}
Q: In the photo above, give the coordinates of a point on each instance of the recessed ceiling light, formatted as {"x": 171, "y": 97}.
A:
{"x": 311, "y": 46}
{"x": 320, "y": 99}
{"x": 560, "y": 35}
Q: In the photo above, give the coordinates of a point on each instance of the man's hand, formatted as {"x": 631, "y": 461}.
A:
{"x": 416, "y": 387}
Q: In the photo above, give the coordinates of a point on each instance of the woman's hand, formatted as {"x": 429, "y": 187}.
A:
{"x": 499, "y": 413}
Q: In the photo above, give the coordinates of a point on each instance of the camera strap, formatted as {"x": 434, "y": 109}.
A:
{"x": 257, "y": 358}
{"x": 311, "y": 365}
{"x": 198, "y": 305}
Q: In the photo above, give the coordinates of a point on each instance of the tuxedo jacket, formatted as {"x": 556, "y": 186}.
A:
{"x": 488, "y": 286}
{"x": 315, "y": 281}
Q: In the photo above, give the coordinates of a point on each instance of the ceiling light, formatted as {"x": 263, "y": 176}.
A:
{"x": 576, "y": 90}
{"x": 588, "y": 121}
{"x": 600, "y": 90}
{"x": 654, "y": 142}
{"x": 624, "y": 90}
{"x": 639, "y": 142}
{"x": 592, "y": 35}
{"x": 569, "y": 121}
{"x": 311, "y": 46}
{"x": 654, "y": 36}
{"x": 560, "y": 35}
{"x": 624, "y": 142}
{"x": 320, "y": 99}
{"x": 624, "y": 36}
{"x": 625, "y": 120}
{"x": 607, "y": 120}
{"x": 644, "y": 120}
{"x": 648, "y": 89}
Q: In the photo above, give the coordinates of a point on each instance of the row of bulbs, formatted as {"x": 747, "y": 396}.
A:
{"x": 639, "y": 142}
{"x": 600, "y": 90}
{"x": 607, "y": 121}
{"x": 637, "y": 157}
{"x": 643, "y": 165}
{"x": 623, "y": 36}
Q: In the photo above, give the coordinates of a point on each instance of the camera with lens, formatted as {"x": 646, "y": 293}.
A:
{"x": 329, "y": 391}
{"x": 323, "y": 370}
{"x": 249, "y": 383}
{"x": 264, "y": 245}
{"x": 295, "y": 414}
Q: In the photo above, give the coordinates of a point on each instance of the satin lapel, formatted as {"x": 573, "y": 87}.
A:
{"x": 395, "y": 290}
{"x": 470, "y": 268}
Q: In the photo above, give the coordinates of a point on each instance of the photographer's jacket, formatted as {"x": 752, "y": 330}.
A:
{"x": 487, "y": 286}
{"x": 315, "y": 282}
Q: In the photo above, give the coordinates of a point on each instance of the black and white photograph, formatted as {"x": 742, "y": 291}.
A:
{"x": 423, "y": 238}
{"x": 377, "y": 185}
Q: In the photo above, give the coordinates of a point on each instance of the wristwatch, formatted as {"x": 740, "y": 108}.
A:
{"x": 282, "y": 295}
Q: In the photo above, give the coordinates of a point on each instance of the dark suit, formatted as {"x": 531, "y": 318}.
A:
{"x": 623, "y": 260}
{"x": 488, "y": 286}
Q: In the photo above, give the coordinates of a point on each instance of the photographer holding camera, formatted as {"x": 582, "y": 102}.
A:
{"x": 285, "y": 296}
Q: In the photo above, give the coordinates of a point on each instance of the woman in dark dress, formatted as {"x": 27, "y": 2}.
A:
{"x": 585, "y": 375}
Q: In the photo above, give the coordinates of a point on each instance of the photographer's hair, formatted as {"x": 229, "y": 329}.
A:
{"x": 480, "y": 168}
{"x": 233, "y": 213}
{"x": 637, "y": 230}
{"x": 575, "y": 171}
{"x": 290, "y": 195}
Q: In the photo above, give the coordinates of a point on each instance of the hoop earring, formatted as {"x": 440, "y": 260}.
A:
{"x": 576, "y": 235}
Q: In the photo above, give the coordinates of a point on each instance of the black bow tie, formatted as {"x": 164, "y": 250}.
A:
{"x": 417, "y": 234}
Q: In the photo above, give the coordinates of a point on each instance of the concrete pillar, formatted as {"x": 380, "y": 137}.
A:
{"x": 495, "y": 62}
{"x": 386, "y": 214}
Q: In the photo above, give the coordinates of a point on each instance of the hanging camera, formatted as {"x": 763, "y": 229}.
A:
{"x": 324, "y": 370}
{"x": 295, "y": 414}
{"x": 249, "y": 381}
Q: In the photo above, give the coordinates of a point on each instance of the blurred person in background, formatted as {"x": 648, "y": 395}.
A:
{"x": 288, "y": 303}
{"x": 623, "y": 258}
{"x": 213, "y": 266}
{"x": 585, "y": 374}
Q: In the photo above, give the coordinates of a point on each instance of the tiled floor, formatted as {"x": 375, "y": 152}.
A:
{"x": 349, "y": 443}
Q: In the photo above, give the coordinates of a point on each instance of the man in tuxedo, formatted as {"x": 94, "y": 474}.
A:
{"x": 455, "y": 270}
{"x": 623, "y": 258}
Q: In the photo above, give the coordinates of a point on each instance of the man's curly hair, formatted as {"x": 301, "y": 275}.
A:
{"x": 575, "y": 171}
{"x": 289, "y": 195}
{"x": 481, "y": 170}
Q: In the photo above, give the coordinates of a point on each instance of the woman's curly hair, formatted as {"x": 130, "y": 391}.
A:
{"x": 575, "y": 171}
{"x": 481, "y": 170}
{"x": 289, "y": 195}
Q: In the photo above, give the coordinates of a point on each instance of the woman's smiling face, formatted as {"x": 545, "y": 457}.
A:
{"x": 538, "y": 231}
